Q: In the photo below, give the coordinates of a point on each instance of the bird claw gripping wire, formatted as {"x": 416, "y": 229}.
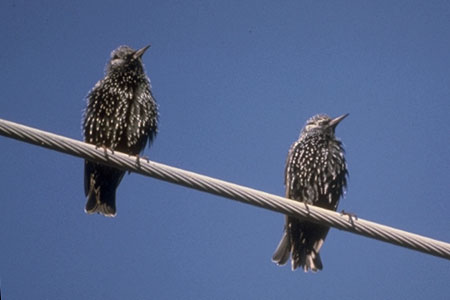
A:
{"x": 351, "y": 216}
{"x": 138, "y": 160}
{"x": 105, "y": 149}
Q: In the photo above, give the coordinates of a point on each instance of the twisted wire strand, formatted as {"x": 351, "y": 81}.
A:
{"x": 225, "y": 189}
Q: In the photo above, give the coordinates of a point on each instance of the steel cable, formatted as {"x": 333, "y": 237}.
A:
{"x": 225, "y": 189}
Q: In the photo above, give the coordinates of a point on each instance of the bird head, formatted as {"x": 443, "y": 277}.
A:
{"x": 322, "y": 124}
{"x": 125, "y": 58}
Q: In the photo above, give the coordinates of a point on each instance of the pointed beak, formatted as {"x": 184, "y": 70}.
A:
{"x": 140, "y": 52}
{"x": 337, "y": 120}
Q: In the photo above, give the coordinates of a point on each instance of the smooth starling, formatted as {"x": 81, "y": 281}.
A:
{"x": 315, "y": 174}
{"x": 122, "y": 115}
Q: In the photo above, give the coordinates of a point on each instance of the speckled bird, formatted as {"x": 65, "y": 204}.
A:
{"x": 122, "y": 115}
{"x": 315, "y": 174}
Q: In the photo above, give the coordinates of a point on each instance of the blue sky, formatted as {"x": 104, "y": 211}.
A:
{"x": 235, "y": 82}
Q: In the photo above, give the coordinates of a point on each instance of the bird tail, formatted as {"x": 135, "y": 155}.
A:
{"x": 305, "y": 257}
{"x": 102, "y": 203}
{"x": 302, "y": 241}
{"x": 283, "y": 251}
{"x": 100, "y": 184}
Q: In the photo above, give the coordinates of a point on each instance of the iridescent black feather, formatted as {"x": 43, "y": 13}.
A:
{"x": 315, "y": 174}
{"x": 122, "y": 115}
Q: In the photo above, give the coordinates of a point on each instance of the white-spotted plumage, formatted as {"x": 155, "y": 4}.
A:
{"x": 121, "y": 114}
{"x": 315, "y": 174}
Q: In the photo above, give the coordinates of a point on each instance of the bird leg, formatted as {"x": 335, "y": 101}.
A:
{"x": 351, "y": 216}
{"x": 138, "y": 160}
{"x": 105, "y": 149}
{"x": 306, "y": 207}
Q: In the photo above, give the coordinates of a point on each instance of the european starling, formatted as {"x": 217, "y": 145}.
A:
{"x": 122, "y": 115}
{"x": 315, "y": 174}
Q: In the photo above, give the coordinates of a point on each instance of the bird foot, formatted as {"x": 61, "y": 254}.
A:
{"x": 138, "y": 159}
{"x": 307, "y": 208}
{"x": 105, "y": 149}
{"x": 351, "y": 216}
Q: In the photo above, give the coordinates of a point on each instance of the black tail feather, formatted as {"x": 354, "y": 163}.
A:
{"x": 302, "y": 241}
{"x": 283, "y": 251}
{"x": 100, "y": 184}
